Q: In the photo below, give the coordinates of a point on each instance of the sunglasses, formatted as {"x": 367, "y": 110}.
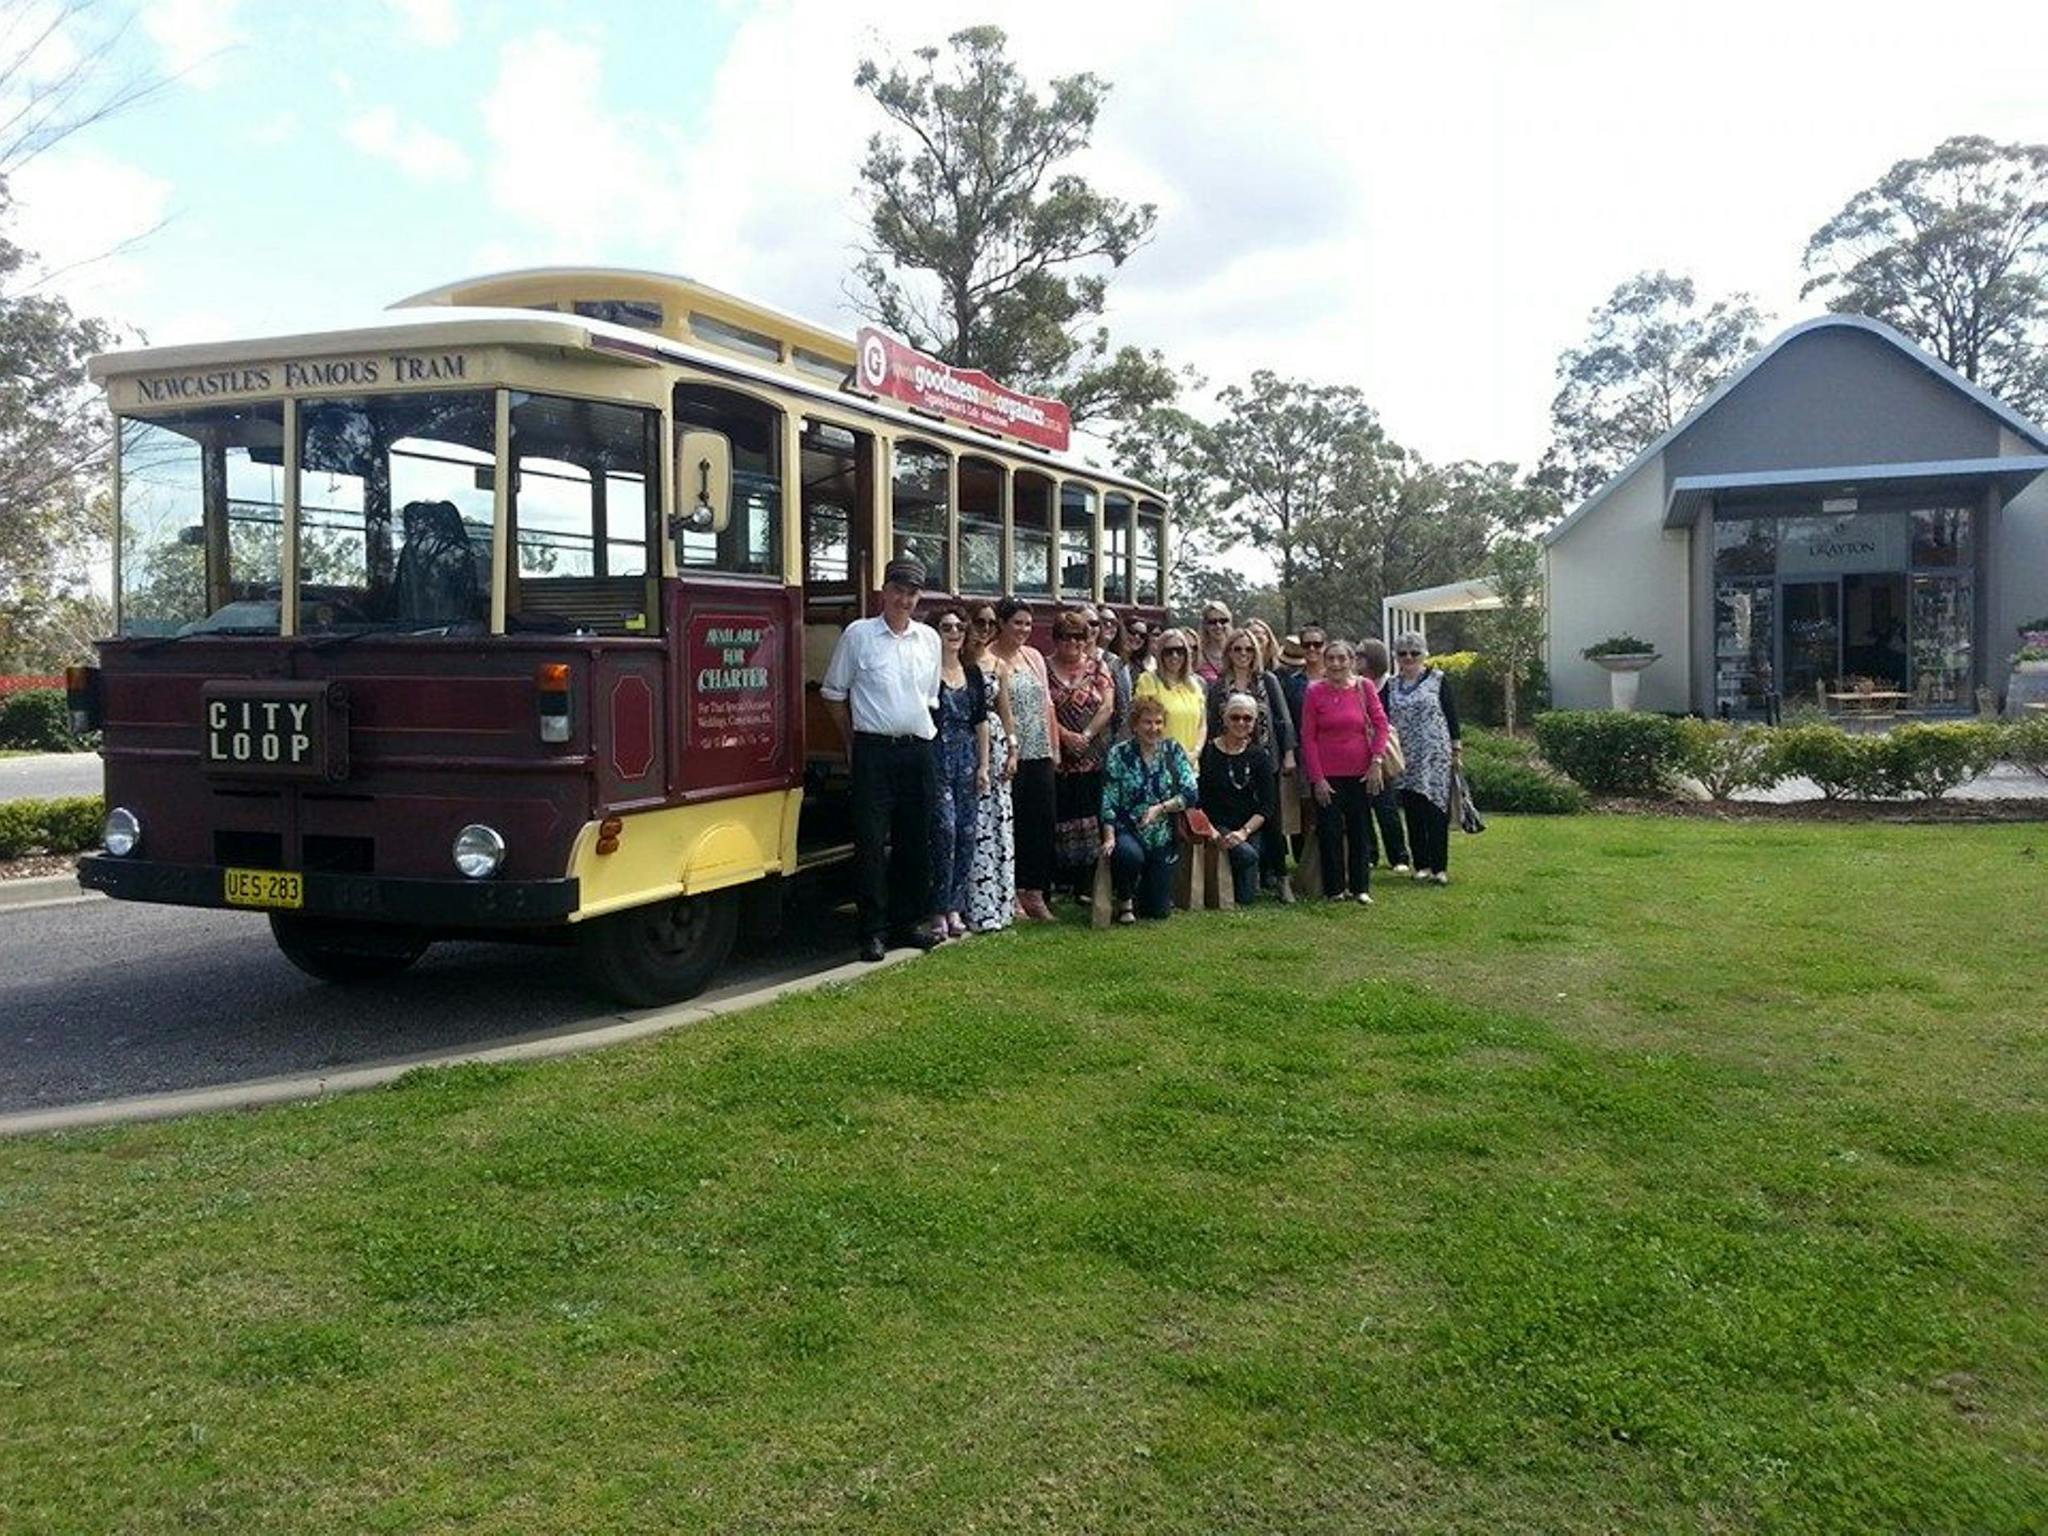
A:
{"x": 1174, "y": 650}
{"x": 984, "y": 622}
{"x": 1069, "y": 634}
{"x": 1215, "y": 621}
{"x": 1241, "y": 719}
{"x": 1313, "y": 645}
{"x": 1407, "y": 653}
{"x": 951, "y": 627}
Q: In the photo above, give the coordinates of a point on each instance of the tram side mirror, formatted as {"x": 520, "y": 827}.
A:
{"x": 703, "y": 483}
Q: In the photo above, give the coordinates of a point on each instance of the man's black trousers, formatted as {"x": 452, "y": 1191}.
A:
{"x": 894, "y": 786}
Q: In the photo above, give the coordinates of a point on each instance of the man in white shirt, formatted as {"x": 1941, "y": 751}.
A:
{"x": 880, "y": 691}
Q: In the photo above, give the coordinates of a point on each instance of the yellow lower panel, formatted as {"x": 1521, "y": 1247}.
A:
{"x": 685, "y": 849}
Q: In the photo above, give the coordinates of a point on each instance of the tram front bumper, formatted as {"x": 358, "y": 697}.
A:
{"x": 372, "y": 898}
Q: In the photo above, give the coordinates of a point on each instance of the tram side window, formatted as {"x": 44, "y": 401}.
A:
{"x": 921, "y": 510}
{"x": 750, "y": 544}
{"x": 1151, "y": 583}
{"x": 832, "y": 481}
{"x": 395, "y": 513}
{"x": 1116, "y": 539}
{"x": 1031, "y": 535}
{"x": 583, "y": 503}
{"x": 1077, "y": 542}
{"x": 981, "y": 526}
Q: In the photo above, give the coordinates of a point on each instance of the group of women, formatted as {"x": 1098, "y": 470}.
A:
{"x": 1048, "y": 763}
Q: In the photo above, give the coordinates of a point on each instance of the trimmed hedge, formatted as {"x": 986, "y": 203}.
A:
{"x": 67, "y": 825}
{"x": 1844, "y": 766}
{"x": 1931, "y": 760}
{"x": 1611, "y": 752}
{"x": 37, "y": 720}
{"x": 1504, "y": 784}
{"x": 1726, "y": 757}
{"x": 2026, "y": 743}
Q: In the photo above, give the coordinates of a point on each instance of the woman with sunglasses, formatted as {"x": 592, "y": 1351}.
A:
{"x": 1115, "y": 642}
{"x": 1146, "y": 782}
{"x": 1244, "y": 674}
{"x": 992, "y": 873}
{"x": 1343, "y": 733}
{"x": 1180, "y": 692}
{"x": 1294, "y": 682}
{"x": 1083, "y": 702}
{"x": 1238, "y": 793}
{"x": 1216, "y": 627}
{"x": 960, "y": 751}
{"x": 1031, "y": 795}
{"x": 1419, "y": 702}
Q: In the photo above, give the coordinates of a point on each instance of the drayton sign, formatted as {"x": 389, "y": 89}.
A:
{"x": 890, "y": 369}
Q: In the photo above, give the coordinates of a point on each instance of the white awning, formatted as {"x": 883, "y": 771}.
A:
{"x": 1405, "y": 612}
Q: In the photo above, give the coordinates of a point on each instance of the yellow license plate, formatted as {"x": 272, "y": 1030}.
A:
{"x": 265, "y": 888}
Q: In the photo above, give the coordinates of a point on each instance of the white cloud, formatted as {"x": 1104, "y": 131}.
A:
{"x": 587, "y": 180}
{"x": 194, "y": 36}
{"x": 430, "y": 23}
{"x": 415, "y": 149}
{"x": 80, "y": 212}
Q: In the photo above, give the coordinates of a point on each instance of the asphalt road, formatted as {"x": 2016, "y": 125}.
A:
{"x": 46, "y": 775}
{"x": 103, "y": 999}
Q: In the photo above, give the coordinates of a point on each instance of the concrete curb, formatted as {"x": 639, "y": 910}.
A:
{"x": 42, "y": 891}
{"x": 569, "y": 1040}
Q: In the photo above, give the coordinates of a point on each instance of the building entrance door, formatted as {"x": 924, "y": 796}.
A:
{"x": 1811, "y": 638}
{"x": 1874, "y": 628}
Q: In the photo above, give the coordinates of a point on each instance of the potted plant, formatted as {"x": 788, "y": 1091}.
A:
{"x": 1624, "y": 657}
{"x": 2031, "y": 660}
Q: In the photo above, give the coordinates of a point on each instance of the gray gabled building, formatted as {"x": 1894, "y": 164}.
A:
{"x": 1845, "y": 506}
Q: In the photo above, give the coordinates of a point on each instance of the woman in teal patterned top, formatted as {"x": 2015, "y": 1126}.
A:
{"x": 1147, "y": 781}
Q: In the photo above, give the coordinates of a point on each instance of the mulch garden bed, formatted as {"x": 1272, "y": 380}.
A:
{"x": 1893, "y": 811}
{"x": 38, "y": 864}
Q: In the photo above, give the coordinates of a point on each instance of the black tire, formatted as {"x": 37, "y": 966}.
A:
{"x": 662, "y": 952}
{"x": 339, "y": 950}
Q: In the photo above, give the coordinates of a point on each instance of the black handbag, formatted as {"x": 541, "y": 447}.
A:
{"x": 1468, "y": 814}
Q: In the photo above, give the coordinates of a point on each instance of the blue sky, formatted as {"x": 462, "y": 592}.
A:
{"x": 1422, "y": 201}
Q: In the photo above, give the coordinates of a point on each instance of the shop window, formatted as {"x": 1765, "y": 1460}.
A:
{"x": 921, "y": 509}
{"x": 1745, "y": 546}
{"x": 981, "y": 525}
{"x": 751, "y": 542}
{"x": 1941, "y": 537}
{"x": 1031, "y": 535}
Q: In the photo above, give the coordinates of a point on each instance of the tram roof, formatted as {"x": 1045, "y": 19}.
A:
{"x": 455, "y": 326}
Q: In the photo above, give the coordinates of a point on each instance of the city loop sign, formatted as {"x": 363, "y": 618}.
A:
{"x": 896, "y": 372}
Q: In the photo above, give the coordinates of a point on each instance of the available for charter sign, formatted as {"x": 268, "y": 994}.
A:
{"x": 890, "y": 369}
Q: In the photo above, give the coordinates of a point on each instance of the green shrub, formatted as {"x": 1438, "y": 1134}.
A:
{"x": 1618, "y": 645}
{"x": 1809, "y": 713}
{"x": 1494, "y": 744}
{"x": 1502, "y": 783}
{"x": 1610, "y": 752}
{"x": 2026, "y": 743}
{"x": 1482, "y": 693}
{"x": 37, "y": 720}
{"x": 1931, "y": 760}
{"x": 1841, "y": 764}
{"x": 67, "y": 825}
{"x": 1726, "y": 757}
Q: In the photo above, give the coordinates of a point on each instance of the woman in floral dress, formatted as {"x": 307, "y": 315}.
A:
{"x": 992, "y": 874}
{"x": 1420, "y": 706}
{"x": 960, "y": 750}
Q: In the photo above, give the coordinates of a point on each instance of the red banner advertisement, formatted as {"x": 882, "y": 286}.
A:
{"x": 889, "y": 368}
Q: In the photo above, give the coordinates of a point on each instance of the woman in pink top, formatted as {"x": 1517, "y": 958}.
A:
{"x": 1343, "y": 733}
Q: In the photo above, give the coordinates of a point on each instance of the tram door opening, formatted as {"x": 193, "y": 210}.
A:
{"x": 836, "y": 483}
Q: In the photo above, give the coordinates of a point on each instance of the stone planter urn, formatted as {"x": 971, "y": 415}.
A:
{"x": 1624, "y": 676}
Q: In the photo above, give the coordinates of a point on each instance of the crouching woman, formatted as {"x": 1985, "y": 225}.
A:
{"x": 1147, "y": 781}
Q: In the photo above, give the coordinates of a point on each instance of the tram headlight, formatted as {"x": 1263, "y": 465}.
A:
{"x": 121, "y": 832}
{"x": 479, "y": 851}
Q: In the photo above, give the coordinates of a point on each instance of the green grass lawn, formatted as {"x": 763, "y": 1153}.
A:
{"x": 1659, "y": 1175}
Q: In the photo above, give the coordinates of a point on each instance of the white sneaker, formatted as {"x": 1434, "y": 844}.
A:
{"x": 1441, "y": 878}
{"x": 1421, "y": 875}
{"x": 1365, "y": 898}
{"x": 1399, "y": 869}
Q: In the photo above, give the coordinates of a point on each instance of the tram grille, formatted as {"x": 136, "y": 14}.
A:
{"x": 249, "y": 850}
{"x": 347, "y": 855}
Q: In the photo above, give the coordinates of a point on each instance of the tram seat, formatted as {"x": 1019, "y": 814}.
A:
{"x": 436, "y": 581}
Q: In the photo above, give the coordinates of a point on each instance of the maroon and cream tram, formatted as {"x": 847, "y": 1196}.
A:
{"x": 503, "y": 617}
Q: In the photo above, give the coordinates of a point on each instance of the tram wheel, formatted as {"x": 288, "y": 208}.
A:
{"x": 336, "y": 949}
{"x": 662, "y": 952}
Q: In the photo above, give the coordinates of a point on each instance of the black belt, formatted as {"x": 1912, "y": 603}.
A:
{"x": 906, "y": 739}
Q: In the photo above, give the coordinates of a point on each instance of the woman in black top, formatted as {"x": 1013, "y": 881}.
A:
{"x": 1238, "y": 774}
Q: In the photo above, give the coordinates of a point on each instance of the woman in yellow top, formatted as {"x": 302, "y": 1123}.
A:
{"x": 1176, "y": 687}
